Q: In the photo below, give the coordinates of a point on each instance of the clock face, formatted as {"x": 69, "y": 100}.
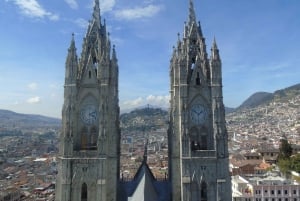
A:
{"x": 89, "y": 114}
{"x": 198, "y": 114}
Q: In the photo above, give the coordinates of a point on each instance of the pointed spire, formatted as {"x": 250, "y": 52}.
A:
{"x": 146, "y": 152}
{"x": 215, "y": 51}
{"x": 72, "y": 45}
{"x": 114, "y": 54}
{"x": 71, "y": 62}
{"x": 96, "y": 13}
{"x": 215, "y": 44}
{"x": 192, "y": 15}
{"x": 199, "y": 29}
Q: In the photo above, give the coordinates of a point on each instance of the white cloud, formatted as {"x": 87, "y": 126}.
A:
{"x": 32, "y": 86}
{"x": 138, "y": 12}
{"x": 161, "y": 101}
{"x": 34, "y": 100}
{"x": 32, "y": 8}
{"x": 107, "y": 5}
{"x": 133, "y": 103}
{"x": 82, "y": 23}
{"x": 72, "y": 3}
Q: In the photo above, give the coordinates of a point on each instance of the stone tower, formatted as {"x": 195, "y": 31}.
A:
{"x": 198, "y": 150}
{"x": 89, "y": 148}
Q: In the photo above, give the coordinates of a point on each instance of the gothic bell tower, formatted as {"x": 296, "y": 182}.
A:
{"x": 198, "y": 150}
{"x": 89, "y": 150}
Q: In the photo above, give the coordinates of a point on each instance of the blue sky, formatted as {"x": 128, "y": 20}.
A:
{"x": 258, "y": 41}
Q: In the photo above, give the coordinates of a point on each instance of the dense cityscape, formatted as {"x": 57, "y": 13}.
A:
{"x": 28, "y": 158}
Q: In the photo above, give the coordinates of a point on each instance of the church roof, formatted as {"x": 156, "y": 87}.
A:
{"x": 145, "y": 190}
{"x": 145, "y": 187}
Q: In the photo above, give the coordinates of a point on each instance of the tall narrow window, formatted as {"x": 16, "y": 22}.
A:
{"x": 84, "y": 138}
{"x": 84, "y": 192}
{"x": 93, "y": 140}
{"x": 203, "y": 191}
{"x": 198, "y": 79}
{"x": 203, "y": 143}
{"x": 90, "y": 74}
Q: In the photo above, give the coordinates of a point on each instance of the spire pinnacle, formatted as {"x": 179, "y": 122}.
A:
{"x": 215, "y": 44}
{"x": 72, "y": 45}
{"x": 215, "y": 51}
{"x": 146, "y": 152}
{"x": 192, "y": 15}
{"x": 96, "y": 13}
{"x": 114, "y": 55}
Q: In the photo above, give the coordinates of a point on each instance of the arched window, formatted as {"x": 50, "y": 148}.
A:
{"x": 203, "y": 191}
{"x": 84, "y": 192}
{"x": 198, "y": 139}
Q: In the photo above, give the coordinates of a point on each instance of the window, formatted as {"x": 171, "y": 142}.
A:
{"x": 279, "y": 192}
{"x": 272, "y": 192}
{"x": 84, "y": 138}
{"x": 90, "y": 74}
{"x": 285, "y": 192}
{"x": 203, "y": 191}
{"x": 198, "y": 79}
{"x": 84, "y": 192}
{"x": 294, "y": 192}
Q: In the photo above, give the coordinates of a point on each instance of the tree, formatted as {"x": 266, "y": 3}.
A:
{"x": 285, "y": 150}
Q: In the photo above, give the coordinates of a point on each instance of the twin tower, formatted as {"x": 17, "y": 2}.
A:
{"x": 89, "y": 150}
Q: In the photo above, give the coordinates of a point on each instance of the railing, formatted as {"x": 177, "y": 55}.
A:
{"x": 203, "y": 153}
{"x": 85, "y": 153}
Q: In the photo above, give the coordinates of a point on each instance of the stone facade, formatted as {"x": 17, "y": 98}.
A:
{"x": 89, "y": 152}
{"x": 198, "y": 145}
{"x": 90, "y": 141}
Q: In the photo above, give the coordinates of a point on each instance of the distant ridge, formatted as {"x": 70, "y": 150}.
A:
{"x": 256, "y": 99}
{"x": 144, "y": 119}
{"x": 10, "y": 120}
{"x": 261, "y": 98}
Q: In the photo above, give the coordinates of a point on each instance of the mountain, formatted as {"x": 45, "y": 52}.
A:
{"x": 13, "y": 120}
{"x": 287, "y": 93}
{"x": 144, "y": 119}
{"x": 270, "y": 117}
{"x": 261, "y": 98}
{"x": 256, "y": 99}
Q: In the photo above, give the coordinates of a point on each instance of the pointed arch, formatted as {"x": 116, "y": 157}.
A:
{"x": 84, "y": 192}
{"x": 198, "y": 139}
